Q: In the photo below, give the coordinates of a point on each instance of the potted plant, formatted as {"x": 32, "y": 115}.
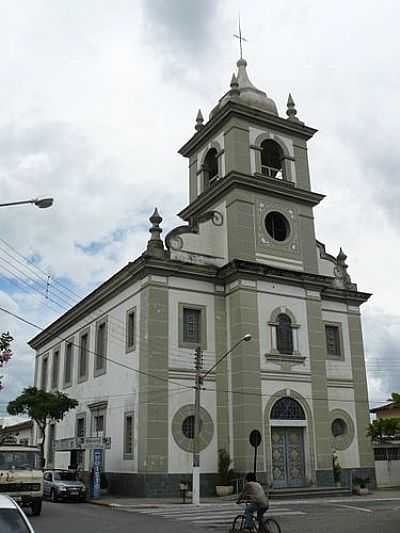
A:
{"x": 225, "y": 474}
{"x": 337, "y": 470}
{"x": 360, "y": 485}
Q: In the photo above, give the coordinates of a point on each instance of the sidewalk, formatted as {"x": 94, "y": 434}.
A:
{"x": 157, "y": 503}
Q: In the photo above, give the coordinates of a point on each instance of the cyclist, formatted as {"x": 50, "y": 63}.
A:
{"x": 257, "y": 502}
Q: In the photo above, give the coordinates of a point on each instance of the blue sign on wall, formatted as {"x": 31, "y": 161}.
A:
{"x": 96, "y": 469}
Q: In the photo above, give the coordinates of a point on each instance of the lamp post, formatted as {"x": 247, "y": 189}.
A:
{"x": 199, "y": 378}
{"x": 42, "y": 203}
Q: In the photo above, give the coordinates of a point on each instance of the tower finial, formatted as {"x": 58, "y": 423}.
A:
{"x": 241, "y": 38}
{"x": 155, "y": 245}
{"x": 199, "y": 121}
{"x": 235, "y": 91}
{"x": 291, "y": 109}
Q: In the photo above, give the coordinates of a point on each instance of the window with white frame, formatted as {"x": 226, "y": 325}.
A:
{"x": 55, "y": 369}
{"x": 83, "y": 357}
{"x": 44, "y": 376}
{"x": 128, "y": 436}
{"x": 68, "y": 363}
{"x": 284, "y": 336}
{"x": 130, "y": 330}
{"x": 101, "y": 348}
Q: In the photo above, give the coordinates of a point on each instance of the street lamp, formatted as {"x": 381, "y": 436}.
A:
{"x": 42, "y": 203}
{"x": 199, "y": 377}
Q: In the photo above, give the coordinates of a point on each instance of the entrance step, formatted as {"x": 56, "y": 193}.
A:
{"x": 308, "y": 492}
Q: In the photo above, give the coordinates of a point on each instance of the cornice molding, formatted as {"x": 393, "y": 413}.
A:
{"x": 255, "y": 116}
{"x": 260, "y": 184}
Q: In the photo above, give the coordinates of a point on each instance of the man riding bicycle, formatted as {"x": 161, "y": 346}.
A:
{"x": 254, "y": 495}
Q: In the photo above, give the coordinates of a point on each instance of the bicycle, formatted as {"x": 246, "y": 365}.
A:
{"x": 265, "y": 525}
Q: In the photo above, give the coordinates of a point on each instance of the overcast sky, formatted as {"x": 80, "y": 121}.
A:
{"x": 97, "y": 97}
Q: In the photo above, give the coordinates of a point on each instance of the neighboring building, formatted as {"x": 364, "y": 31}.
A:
{"x": 245, "y": 261}
{"x": 387, "y": 451}
{"x": 389, "y": 410}
{"x": 20, "y": 433}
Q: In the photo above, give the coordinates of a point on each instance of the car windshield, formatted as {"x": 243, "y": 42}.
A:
{"x": 12, "y": 522}
{"x": 65, "y": 476}
{"x": 19, "y": 460}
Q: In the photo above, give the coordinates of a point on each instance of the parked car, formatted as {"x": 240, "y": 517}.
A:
{"x": 12, "y": 517}
{"x": 63, "y": 485}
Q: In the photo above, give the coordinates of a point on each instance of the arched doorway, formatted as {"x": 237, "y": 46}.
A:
{"x": 287, "y": 422}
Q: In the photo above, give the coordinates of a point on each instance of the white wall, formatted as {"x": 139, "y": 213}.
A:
{"x": 387, "y": 473}
{"x": 118, "y": 386}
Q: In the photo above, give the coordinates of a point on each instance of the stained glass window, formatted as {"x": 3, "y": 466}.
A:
{"x": 332, "y": 340}
{"x": 287, "y": 409}
{"x": 191, "y": 325}
{"x": 284, "y": 335}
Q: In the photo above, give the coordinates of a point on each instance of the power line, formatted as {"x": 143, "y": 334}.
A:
{"x": 118, "y": 363}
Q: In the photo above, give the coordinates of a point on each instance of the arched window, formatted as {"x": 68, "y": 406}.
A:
{"x": 271, "y": 159}
{"x": 287, "y": 409}
{"x": 284, "y": 335}
{"x": 210, "y": 168}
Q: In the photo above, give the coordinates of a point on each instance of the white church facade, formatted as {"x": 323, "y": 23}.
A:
{"x": 245, "y": 261}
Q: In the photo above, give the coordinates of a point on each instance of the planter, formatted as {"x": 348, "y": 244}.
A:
{"x": 222, "y": 490}
{"x": 361, "y": 491}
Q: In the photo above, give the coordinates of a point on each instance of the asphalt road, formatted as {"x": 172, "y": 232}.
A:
{"x": 330, "y": 516}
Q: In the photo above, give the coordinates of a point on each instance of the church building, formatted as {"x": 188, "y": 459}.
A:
{"x": 245, "y": 261}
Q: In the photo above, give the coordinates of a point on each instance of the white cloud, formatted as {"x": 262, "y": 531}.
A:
{"x": 98, "y": 98}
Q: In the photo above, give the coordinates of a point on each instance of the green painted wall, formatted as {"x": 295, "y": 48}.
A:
{"x": 319, "y": 384}
{"x": 246, "y": 376}
{"x": 237, "y": 152}
{"x": 222, "y": 383}
{"x": 360, "y": 390}
{"x": 153, "y": 393}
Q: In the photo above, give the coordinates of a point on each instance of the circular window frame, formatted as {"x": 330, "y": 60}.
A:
{"x": 206, "y": 428}
{"x": 287, "y": 225}
{"x": 344, "y": 441}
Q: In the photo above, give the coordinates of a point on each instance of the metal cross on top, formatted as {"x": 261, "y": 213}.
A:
{"x": 241, "y": 38}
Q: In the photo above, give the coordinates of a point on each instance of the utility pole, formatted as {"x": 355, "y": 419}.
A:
{"x": 198, "y": 365}
{"x": 199, "y": 379}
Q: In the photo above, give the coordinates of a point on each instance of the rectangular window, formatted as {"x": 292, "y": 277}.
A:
{"x": 191, "y": 325}
{"x": 332, "y": 340}
{"x": 130, "y": 330}
{"x": 101, "y": 348}
{"x": 80, "y": 433}
{"x": 43, "y": 379}
{"x": 51, "y": 445}
{"x": 98, "y": 423}
{"x": 83, "y": 356}
{"x": 68, "y": 364}
{"x": 55, "y": 369}
{"x": 128, "y": 436}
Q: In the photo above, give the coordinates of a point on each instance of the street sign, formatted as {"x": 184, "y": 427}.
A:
{"x": 255, "y": 438}
{"x": 95, "y": 481}
{"x": 92, "y": 443}
{"x": 255, "y": 441}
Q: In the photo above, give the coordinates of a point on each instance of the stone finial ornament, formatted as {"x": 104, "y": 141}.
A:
{"x": 342, "y": 277}
{"x": 291, "y": 109}
{"x": 155, "y": 245}
{"x": 235, "y": 91}
{"x": 199, "y": 121}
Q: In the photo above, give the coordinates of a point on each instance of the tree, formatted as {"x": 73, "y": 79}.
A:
{"x": 42, "y": 407}
{"x": 384, "y": 428}
{"x": 395, "y": 399}
{"x": 5, "y": 352}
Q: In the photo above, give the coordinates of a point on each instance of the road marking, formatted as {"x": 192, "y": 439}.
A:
{"x": 353, "y": 507}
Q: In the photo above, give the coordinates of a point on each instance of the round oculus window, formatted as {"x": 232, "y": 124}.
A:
{"x": 277, "y": 226}
{"x": 339, "y": 427}
{"x": 188, "y": 428}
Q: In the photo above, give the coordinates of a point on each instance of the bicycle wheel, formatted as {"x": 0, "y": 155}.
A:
{"x": 271, "y": 526}
{"x": 237, "y": 524}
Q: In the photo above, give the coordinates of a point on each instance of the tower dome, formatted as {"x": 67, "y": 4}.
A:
{"x": 245, "y": 92}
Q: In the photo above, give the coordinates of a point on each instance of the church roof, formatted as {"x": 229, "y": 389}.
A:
{"x": 243, "y": 91}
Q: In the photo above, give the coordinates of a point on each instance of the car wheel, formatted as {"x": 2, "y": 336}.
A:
{"x": 36, "y": 508}
{"x": 53, "y": 496}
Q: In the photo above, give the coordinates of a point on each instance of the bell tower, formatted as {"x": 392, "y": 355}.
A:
{"x": 250, "y": 164}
